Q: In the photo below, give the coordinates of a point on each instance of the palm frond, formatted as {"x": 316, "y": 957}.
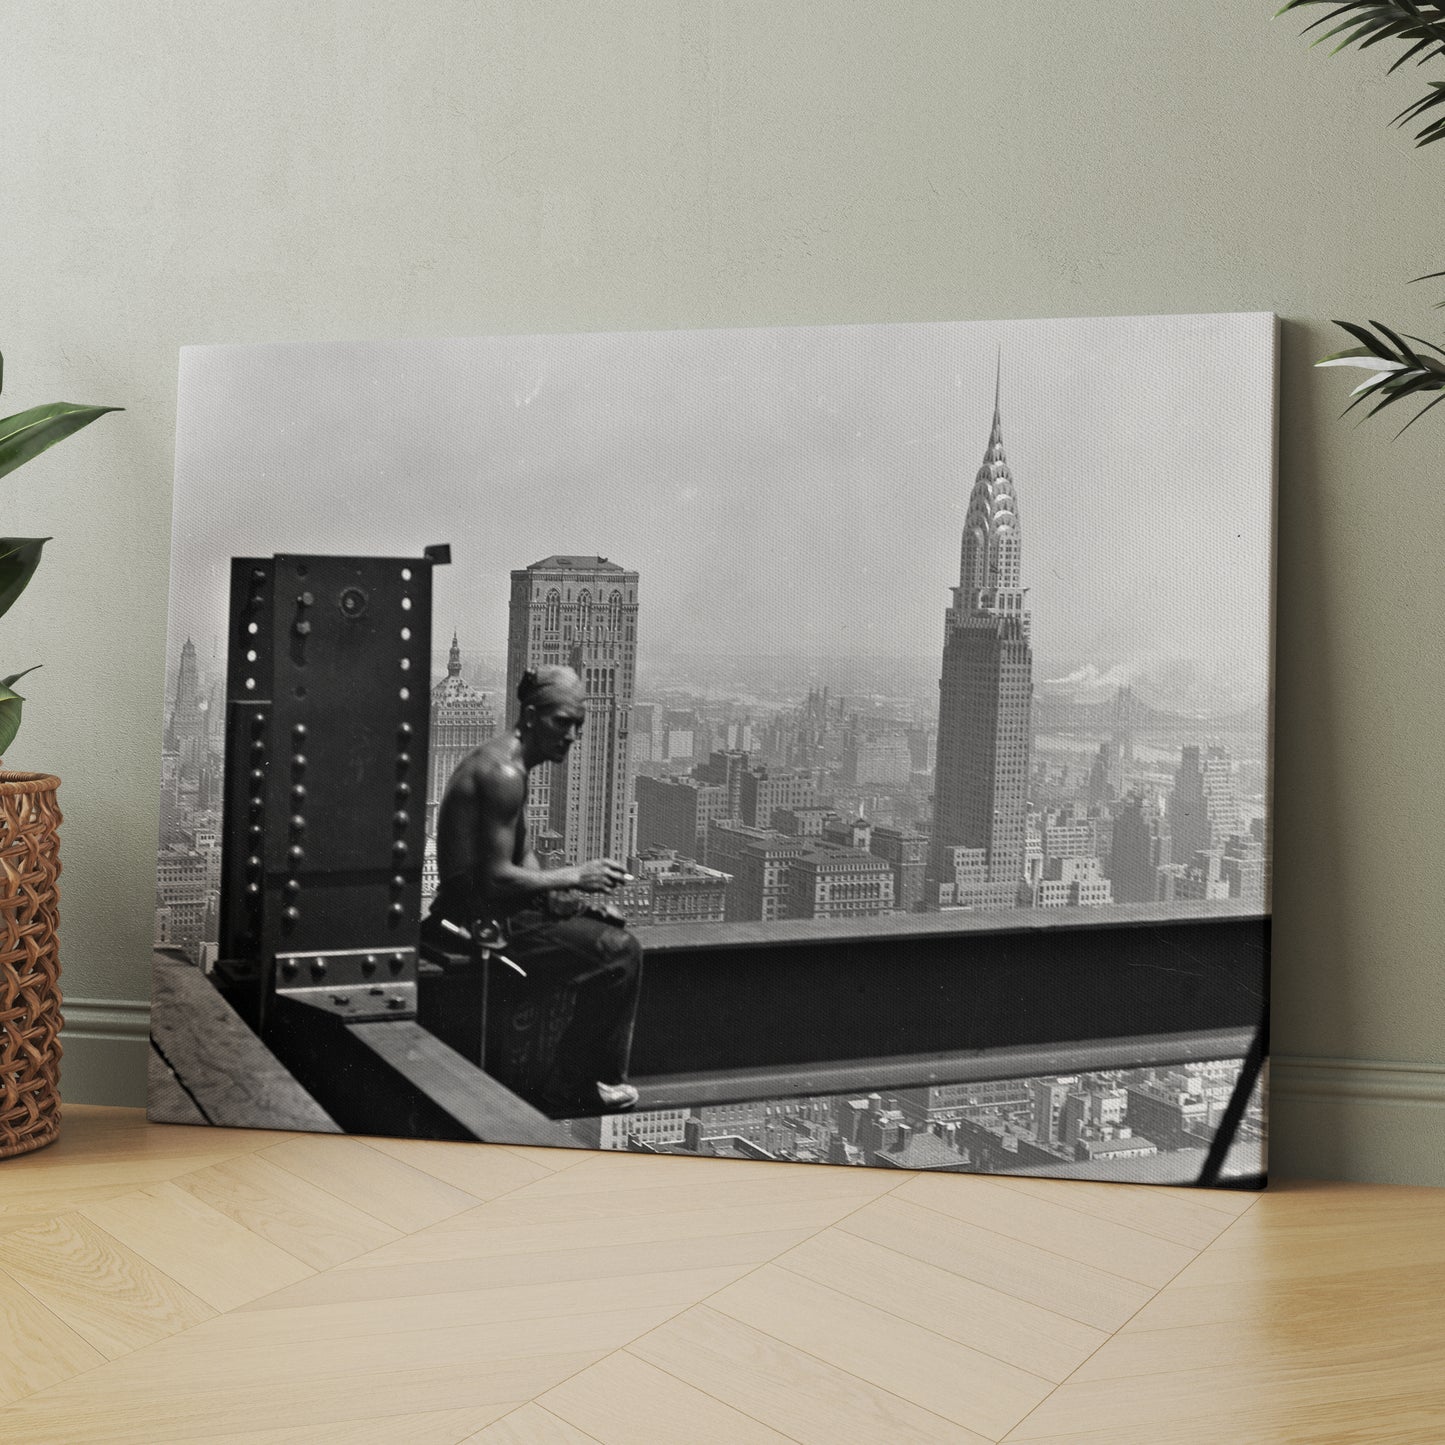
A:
{"x": 1398, "y": 371}
{"x": 1419, "y": 24}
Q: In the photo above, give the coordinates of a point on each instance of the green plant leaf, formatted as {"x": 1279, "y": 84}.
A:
{"x": 19, "y": 557}
{"x": 28, "y": 433}
{"x": 10, "y": 705}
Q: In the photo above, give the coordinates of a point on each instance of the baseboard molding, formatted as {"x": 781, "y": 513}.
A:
{"x": 1303, "y": 1077}
{"x": 1367, "y": 1120}
{"x": 1359, "y": 1119}
{"x": 105, "y": 1048}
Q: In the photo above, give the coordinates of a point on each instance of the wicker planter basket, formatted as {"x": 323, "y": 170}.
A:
{"x": 29, "y": 962}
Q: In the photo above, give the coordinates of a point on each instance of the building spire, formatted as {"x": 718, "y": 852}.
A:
{"x": 454, "y": 658}
{"x": 989, "y": 560}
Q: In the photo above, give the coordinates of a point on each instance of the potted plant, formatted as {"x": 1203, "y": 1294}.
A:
{"x": 29, "y": 845}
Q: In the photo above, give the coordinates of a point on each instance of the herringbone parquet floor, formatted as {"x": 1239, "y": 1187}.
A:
{"x": 160, "y": 1283}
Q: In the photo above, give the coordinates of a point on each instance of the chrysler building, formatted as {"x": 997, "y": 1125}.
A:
{"x": 985, "y": 699}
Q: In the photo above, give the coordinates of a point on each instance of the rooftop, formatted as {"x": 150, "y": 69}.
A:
{"x": 561, "y": 563}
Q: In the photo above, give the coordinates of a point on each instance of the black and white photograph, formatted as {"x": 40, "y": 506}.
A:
{"x": 844, "y": 745}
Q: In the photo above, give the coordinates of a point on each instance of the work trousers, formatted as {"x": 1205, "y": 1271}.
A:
{"x": 601, "y": 962}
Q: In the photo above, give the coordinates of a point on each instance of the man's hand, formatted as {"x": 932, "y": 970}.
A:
{"x": 601, "y": 875}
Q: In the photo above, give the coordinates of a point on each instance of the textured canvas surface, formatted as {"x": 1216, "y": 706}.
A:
{"x": 927, "y": 676}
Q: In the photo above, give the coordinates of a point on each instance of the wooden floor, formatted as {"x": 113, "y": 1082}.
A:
{"x": 160, "y": 1283}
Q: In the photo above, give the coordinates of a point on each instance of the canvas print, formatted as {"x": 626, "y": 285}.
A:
{"x": 846, "y": 745}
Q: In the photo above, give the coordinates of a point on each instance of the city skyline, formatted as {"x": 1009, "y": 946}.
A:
{"x": 738, "y": 468}
{"x": 1021, "y": 806}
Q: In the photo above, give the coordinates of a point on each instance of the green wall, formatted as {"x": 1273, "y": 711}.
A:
{"x": 180, "y": 173}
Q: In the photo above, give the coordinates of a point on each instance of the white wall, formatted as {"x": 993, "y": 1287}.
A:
{"x": 178, "y": 173}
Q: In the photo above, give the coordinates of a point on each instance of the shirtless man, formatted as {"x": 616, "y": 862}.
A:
{"x": 489, "y": 874}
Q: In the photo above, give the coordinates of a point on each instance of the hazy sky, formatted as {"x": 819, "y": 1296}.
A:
{"x": 779, "y": 491}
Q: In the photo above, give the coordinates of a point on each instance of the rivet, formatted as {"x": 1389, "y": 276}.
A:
{"x": 258, "y": 573}
{"x": 399, "y": 850}
{"x": 253, "y": 890}
{"x": 291, "y": 887}
{"x": 368, "y": 964}
{"x": 404, "y": 731}
{"x": 298, "y": 731}
{"x": 403, "y": 761}
{"x": 298, "y": 792}
{"x": 289, "y": 967}
{"x": 298, "y": 823}
{"x": 291, "y": 914}
{"x": 253, "y": 863}
{"x": 398, "y": 962}
{"x": 295, "y": 852}
{"x": 398, "y": 882}
{"x": 318, "y": 968}
{"x": 298, "y": 761}
{"x": 303, "y": 629}
{"x": 396, "y": 911}
{"x": 305, "y": 599}
{"x": 395, "y": 1002}
{"x": 258, "y": 775}
{"x": 403, "y": 790}
{"x": 258, "y": 745}
{"x": 402, "y": 818}
{"x": 256, "y": 830}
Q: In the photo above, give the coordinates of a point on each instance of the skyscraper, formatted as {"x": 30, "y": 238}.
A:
{"x": 985, "y": 699}
{"x": 581, "y": 612}
{"x": 1142, "y": 846}
{"x": 186, "y": 736}
{"x": 461, "y": 719}
{"x": 1204, "y": 810}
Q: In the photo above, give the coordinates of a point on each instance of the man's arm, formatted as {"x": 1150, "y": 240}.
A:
{"x": 482, "y": 813}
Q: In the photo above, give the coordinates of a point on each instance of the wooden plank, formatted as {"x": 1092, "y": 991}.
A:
{"x": 514, "y": 1309}
{"x": 988, "y": 1320}
{"x": 485, "y": 1170}
{"x": 40, "y": 1348}
{"x": 1027, "y": 1271}
{"x": 623, "y": 1400}
{"x": 799, "y": 1395}
{"x": 975, "y": 1390}
{"x": 1089, "y": 1239}
{"x": 378, "y": 1185}
{"x": 531, "y": 1425}
{"x": 108, "y": 1294}
{"x": 209, "y": 1253}
{"x": 235, "y": 1081}
{"x": 368, "y": 1280}
{"x": 308, "y": 1222}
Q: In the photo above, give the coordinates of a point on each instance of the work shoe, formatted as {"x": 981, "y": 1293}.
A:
{"x": 617, "y": 1097}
